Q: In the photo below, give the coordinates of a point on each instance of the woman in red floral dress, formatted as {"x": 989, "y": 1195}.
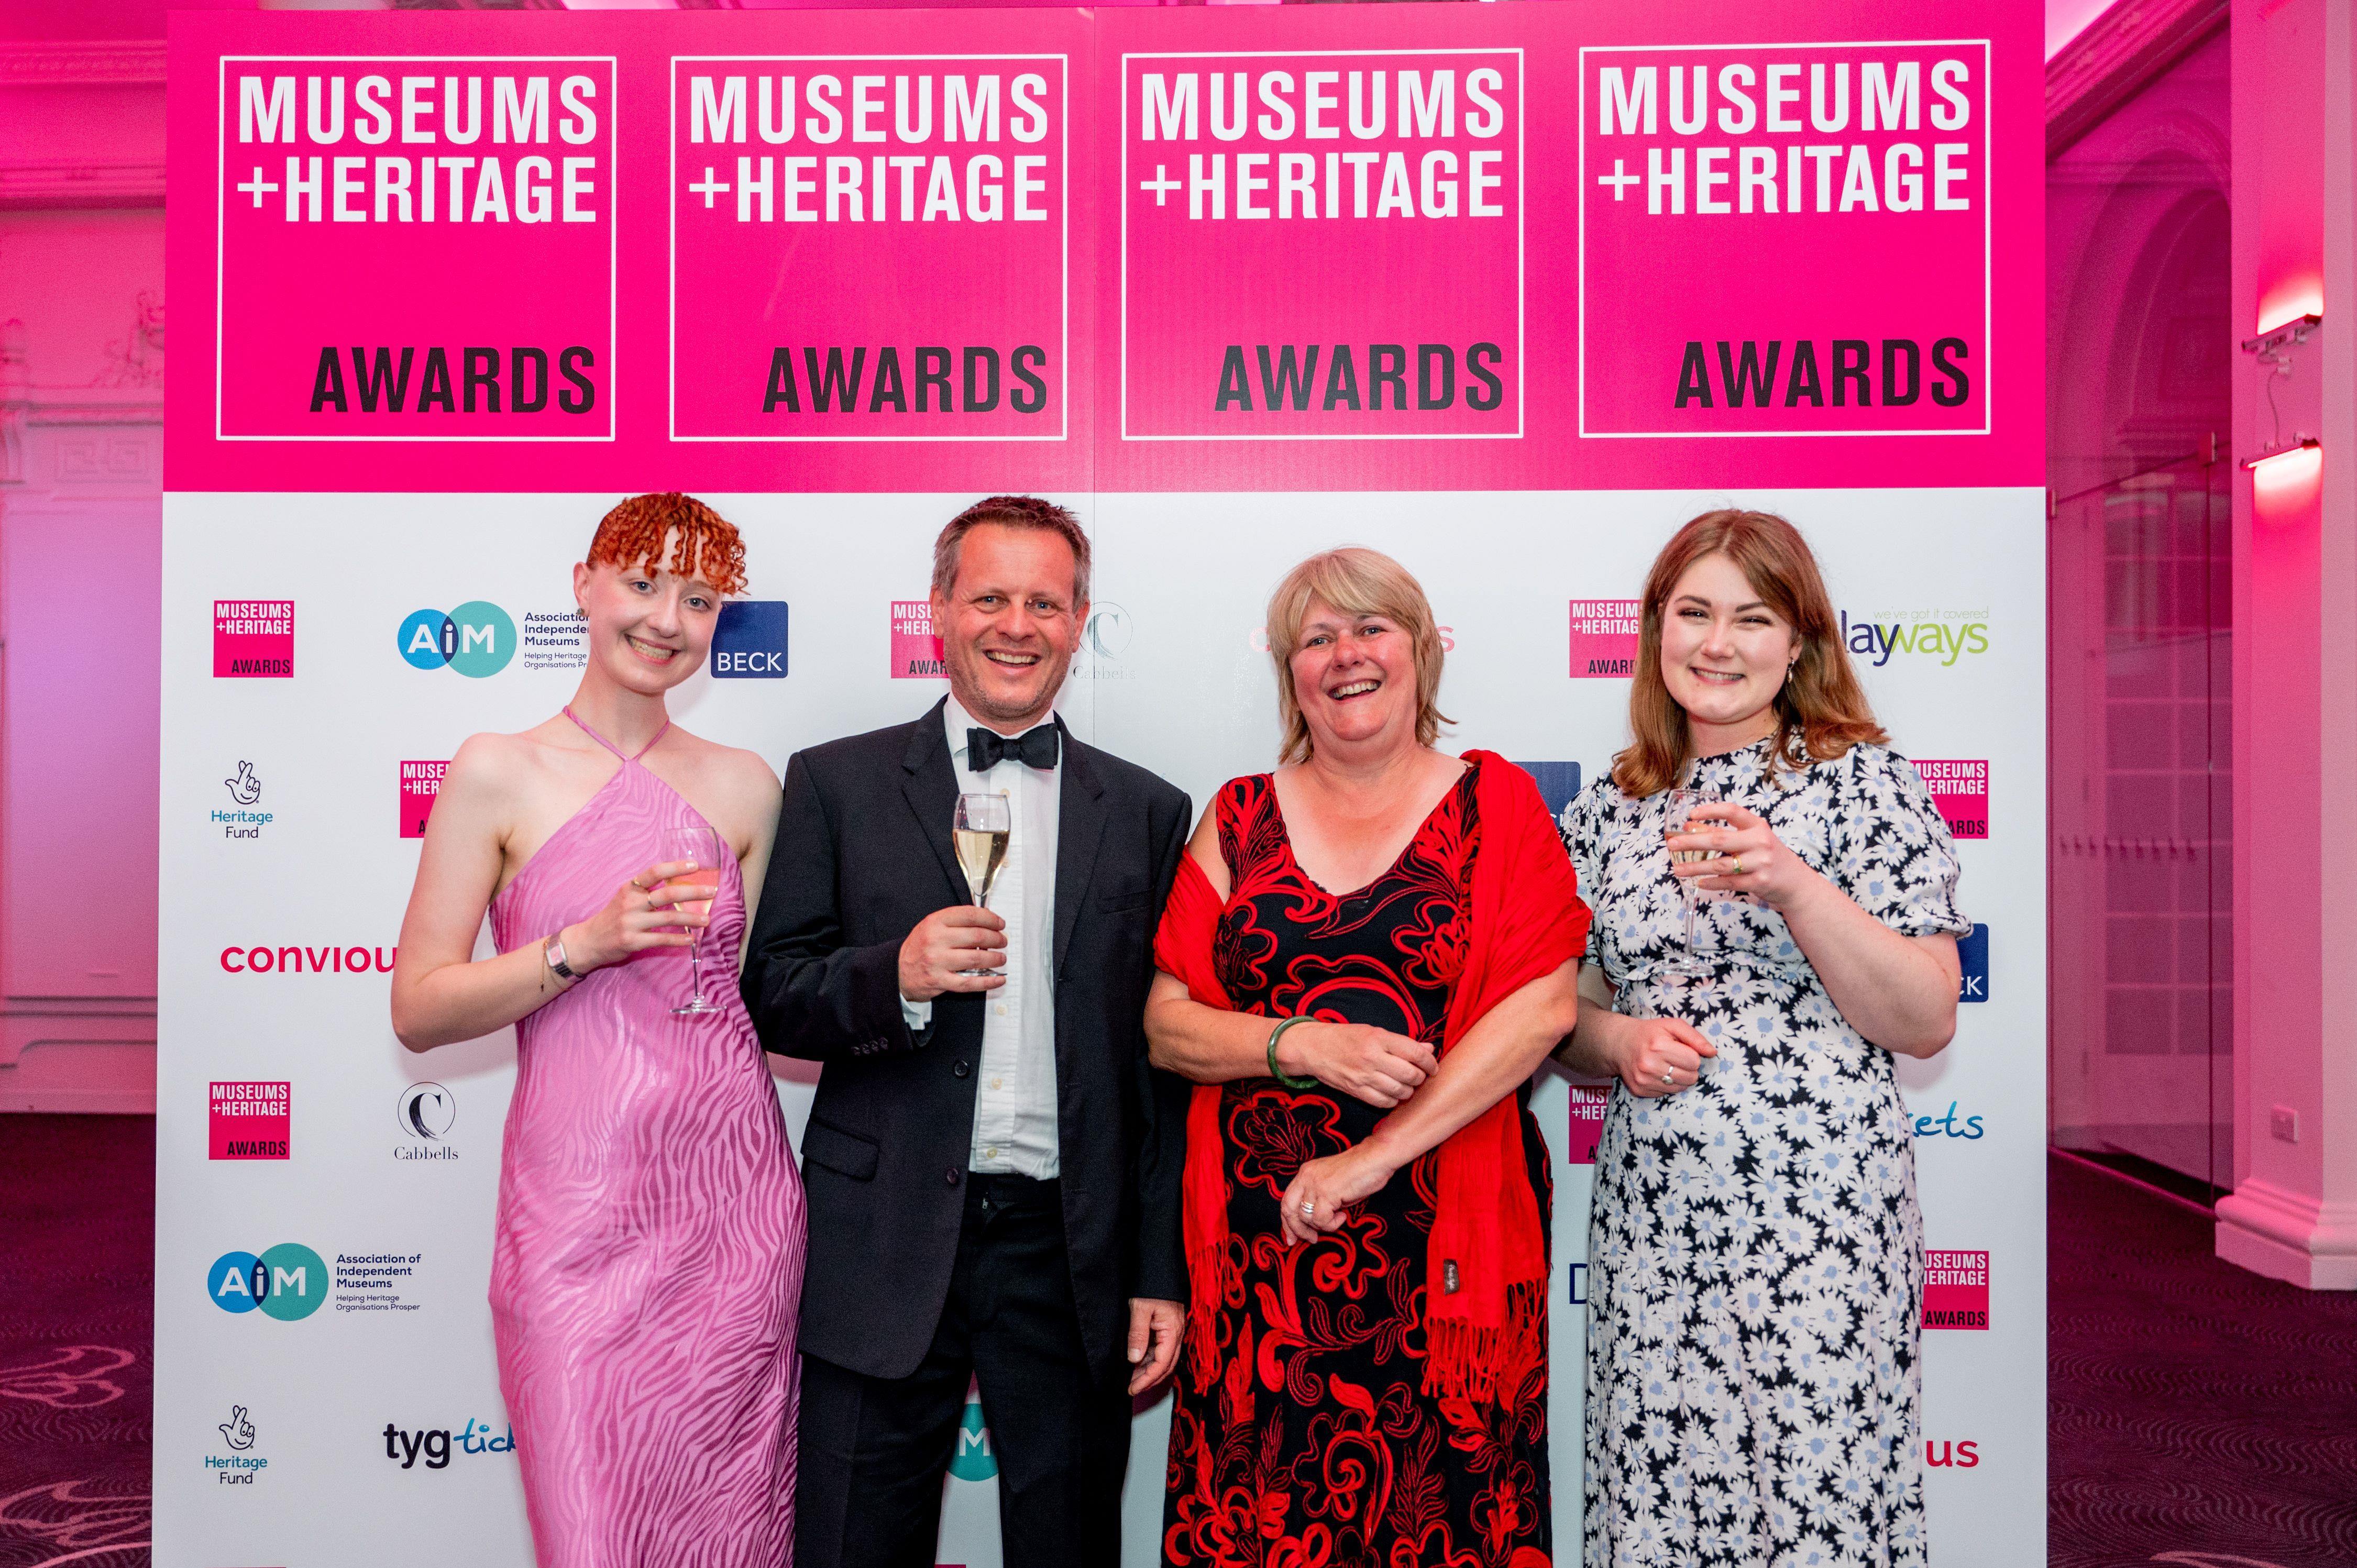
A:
{"x": 1366, "y": 1195}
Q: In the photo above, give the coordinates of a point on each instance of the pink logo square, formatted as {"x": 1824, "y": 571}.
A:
{"x": 416, "y": 249}
{"x": 1959, "y": 789}
{"x": 916, "y": 651}
{"x": 1395, "y": 175}
{"x": 1587, "y": 1103}
{"x": 250, "y": 1120}
{"x": 869, "y": 248}
{"x": 1784, "y": 239}
{"x": 1604, "y": 638}
{"x": 421, "y": 783}
{"x": 254, "y": 638}
{"x": 1956, "y": 1289}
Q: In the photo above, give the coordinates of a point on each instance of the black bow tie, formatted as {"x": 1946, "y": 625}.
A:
{"x": 1034, "y": 748}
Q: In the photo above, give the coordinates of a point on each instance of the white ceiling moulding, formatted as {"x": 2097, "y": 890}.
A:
{"x": 2114, "y": 58}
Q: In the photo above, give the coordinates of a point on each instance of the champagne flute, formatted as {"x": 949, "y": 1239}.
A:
{"x": 704, "y": 847}
{"x": 1676, "y": 819}
{"x": 981, "y": 831}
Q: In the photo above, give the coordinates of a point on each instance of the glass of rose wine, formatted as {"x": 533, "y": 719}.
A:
{"x": 983, "y": 826}
{"x": 704, "y": 847}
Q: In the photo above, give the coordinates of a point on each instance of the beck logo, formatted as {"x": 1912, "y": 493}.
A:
{"x": 476, "y": 640}
{"x": 1956, "y": 1289}
{"x": 916, "y": 651}
{"x": 1960, "y": 790}
{"x": 421, "y": 783}
{"x": 1972, "y": 954}
{"x": 749, "y": 641}
{"x": 253, "y": 637}
{"x": 1604, "y": 638}
{"x": 250, "y": 1120}
{"x": 287, "y": 1283}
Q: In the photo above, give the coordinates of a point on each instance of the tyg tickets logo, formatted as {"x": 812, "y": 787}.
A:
{"x": 287, "y": 1281}
{"x": 477, "y": 639}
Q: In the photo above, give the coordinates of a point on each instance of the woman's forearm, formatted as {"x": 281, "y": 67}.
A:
{"x": 1891, "y": 988}
{"x": 1592, "y": 1049}
{"x": 1207, "y": 1045}
{"x": 454, "y": 1002}
{"x": 1496, "y": 1056}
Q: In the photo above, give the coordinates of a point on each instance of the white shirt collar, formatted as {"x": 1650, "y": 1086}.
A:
{"x": 956, "y": 721}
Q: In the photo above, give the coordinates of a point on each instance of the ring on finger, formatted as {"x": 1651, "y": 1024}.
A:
{"x": 1669, "y": 1079}
{"x": 1734, "y": 865}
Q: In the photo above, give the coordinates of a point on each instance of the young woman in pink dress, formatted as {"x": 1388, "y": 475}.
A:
{"x": 648, "y": 1253}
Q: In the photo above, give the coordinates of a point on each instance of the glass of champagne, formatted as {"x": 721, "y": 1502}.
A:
{"x": 1676, "y": 819}
{"x": 704, "y": 847}
{"x": 984, "y": 823}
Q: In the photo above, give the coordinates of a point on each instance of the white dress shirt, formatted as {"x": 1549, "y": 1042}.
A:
{"x": 1014, "y": 1103}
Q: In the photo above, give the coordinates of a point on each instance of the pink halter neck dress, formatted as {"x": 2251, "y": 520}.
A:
{"x": 649, "y": 1255}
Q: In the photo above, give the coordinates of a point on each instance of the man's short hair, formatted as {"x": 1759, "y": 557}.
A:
{"x": 1011, "y": 512}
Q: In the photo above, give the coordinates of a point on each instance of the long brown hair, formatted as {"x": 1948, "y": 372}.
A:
{"x": 1821, "y": 709}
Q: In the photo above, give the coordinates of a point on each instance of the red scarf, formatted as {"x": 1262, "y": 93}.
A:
{"x": 1527, "y": 921}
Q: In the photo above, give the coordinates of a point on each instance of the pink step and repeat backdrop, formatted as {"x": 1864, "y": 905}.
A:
{"x": 1508, "y": 291}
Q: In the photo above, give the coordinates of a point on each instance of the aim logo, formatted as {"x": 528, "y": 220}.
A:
{"x": 287, "y": 1281}
{"x": 476, "y": 640}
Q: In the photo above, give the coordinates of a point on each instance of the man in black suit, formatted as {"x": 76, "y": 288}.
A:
{"x": 993, "y": 1169}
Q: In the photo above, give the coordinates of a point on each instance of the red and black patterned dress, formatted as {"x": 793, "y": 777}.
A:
{"x": 1318, "y": 1446}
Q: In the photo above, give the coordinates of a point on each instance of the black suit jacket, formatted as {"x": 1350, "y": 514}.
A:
{"x": 862, "y": 854}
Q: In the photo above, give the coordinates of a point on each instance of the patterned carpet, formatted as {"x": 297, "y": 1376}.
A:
{"x": 2200, "y": 1417}
{"x": 76, "y": 1330}
{"x": 2197, "y": 1416}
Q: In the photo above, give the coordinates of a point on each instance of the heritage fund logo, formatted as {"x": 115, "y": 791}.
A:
{"x": 1956, "y": 1289}
{"x": 254, "y": 638}
{"x": 421, "y": 785}
{"x": 916, "y": 651}
{"x": 240, "y": 1465}
{"x": 1604, "y": 638}
{"x": 1959, "y": 789}
{"x": 250, "y": 1120}
{"x": 244, "y": 790}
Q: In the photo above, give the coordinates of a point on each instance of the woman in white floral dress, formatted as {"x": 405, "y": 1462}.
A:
{"x": 1755, "y": 1252}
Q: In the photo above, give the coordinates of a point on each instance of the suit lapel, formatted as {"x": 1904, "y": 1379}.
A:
{"x": 1079, "y": 826}
{"x": 929, "y": 783}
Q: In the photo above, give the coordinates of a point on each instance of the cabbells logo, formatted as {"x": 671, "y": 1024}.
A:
{"x": 433, "y": 1446}
{"x": 748, "y": 642}
{"x": 476, "y": 640}
{"x": 1943, "y": 635}
{"x": 426, "y": 1111}
{"x": 245, "y": 789}
{"x": 286, "y": 1282}
{"x": 1103, "y": 642}
{"x": 254, "y": 638}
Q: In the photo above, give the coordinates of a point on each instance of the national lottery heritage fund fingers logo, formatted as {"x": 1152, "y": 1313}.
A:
{"x": 1959, "y": 788}
{"x": 254, "y": 638}
{"x": 288, "y": 1282}
{"x": 421, "y": 786}
{"x": 239, "y": 821}
{"x": 1956, "y": 1289}
{"x": 1852, "y": 179}
{"x": 476, "y": 640}
{"x": 235, "y": 1462}
{"x": 1243, "y": 174}
{"x": 248, "y": 1119}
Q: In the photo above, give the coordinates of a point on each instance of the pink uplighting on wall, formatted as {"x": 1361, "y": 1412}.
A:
{"x": 2288, "y": 302}
{"x": 2284, "y": 480}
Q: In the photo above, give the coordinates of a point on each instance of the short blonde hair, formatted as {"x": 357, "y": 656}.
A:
{"x": 1356, "y": 582}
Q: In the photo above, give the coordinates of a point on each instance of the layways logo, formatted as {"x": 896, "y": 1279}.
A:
{"x": 1604, "y": 640}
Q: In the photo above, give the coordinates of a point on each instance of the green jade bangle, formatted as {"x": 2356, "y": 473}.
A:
{"x": 1273, "y": 1071}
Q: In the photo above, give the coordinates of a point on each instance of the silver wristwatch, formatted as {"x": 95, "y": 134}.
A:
{"x": 554, "y": 951}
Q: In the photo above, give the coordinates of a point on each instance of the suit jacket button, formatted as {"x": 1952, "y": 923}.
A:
{"x": 951, "y": 1176}
{"x": 962, "y": 1069}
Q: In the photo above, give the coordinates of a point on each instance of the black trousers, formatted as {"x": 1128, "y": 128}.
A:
{"x": 874, "y": 1451}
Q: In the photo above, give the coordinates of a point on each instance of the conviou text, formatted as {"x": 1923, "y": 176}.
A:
{"x": 1384, "y": 124}
{"x": 1837, "y": 136}
{"x": 477, "y": 148}
{"x": 926, "y": 147}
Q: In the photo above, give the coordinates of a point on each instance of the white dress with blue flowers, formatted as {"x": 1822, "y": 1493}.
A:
{"x": 1755, "y": 1252}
